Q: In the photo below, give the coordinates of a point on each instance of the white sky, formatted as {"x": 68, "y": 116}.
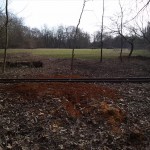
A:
{"x": 37, "y": 13}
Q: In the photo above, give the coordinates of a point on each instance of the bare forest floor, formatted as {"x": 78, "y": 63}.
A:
{"x": 74, "y": 116}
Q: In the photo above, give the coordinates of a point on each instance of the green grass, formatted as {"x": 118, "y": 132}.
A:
{"x": 79, "y": 53}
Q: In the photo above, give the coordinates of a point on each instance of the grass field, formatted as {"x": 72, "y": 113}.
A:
{"x": 79, "y": 53}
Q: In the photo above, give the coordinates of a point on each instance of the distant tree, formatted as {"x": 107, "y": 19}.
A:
{"x": 70, "y": 33}
{"x": 16, "y": 32}
{"x": 97, "y": 39}
{"x": 82, "y": 39}
{"x": 60, "y": 37}
{"x": 45, "y": 37}
{"x": 108, "y": 41}
{"x": 31, "y": 38}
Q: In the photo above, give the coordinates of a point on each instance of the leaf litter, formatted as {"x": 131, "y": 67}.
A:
{"x": 67, "y": 116}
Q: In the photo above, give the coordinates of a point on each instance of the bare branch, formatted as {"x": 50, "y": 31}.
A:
{"x": 141, "y": 9}
{"x": 144, "y": 7}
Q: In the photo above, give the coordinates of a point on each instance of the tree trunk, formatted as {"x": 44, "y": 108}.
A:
{"x": 102, "y": 28}
{"x": 131, "y": 50}
{"x": 121, "y": 28}
{"x": 121, "y": 49}
{"x": 6, "y": 39}
{"x": 75, "y": 37}
{"x": 72, "y": 59}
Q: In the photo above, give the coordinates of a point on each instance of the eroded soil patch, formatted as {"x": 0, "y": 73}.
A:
{"x": 77, "y": 99}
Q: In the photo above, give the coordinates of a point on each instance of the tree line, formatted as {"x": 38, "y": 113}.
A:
{"x": 21, "y": 36}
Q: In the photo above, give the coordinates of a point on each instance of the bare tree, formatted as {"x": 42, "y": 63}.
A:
{"x": 142, "y": 32}
{"x": 102, "y": 29}
{"x": 134, "y": 31}
{"x": 6, "y": 37}
{"x": 139, "y": 29}
{"x": 130, "y": 39}
{"x": 76, "y": 32}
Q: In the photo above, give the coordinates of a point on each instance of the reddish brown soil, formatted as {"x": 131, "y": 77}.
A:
{"x": 77, "y": 99}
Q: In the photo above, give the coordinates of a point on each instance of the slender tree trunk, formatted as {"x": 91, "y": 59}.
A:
{"x": 121, "y": 49}
{"x": 102, "y": 28}
{"x": 72, "y": 59}
{"x": 6, "y": 38}
{"x": 131, "y": 50}
{"x": 75, "y": 37}
{"x": 121, "y": 27}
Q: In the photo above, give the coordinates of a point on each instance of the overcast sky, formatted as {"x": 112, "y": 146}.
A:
{"x": 37, "y": 13}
